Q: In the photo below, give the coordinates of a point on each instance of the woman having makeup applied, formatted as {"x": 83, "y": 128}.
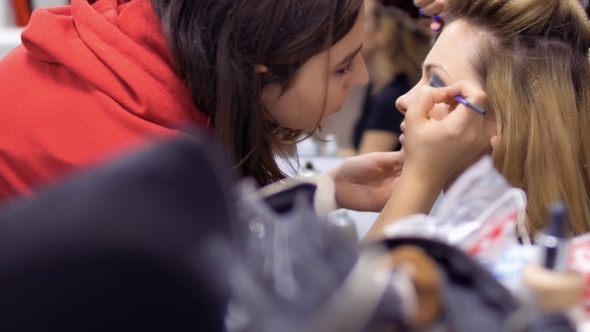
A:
{"x": 525, "y": 62}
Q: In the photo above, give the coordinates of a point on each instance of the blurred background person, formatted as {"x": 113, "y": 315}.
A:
{"x": 394, "y": 48}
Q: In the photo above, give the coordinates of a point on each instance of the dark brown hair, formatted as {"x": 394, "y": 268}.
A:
{"x": 217, "y": 44}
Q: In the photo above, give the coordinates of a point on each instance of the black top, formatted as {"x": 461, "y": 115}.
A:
{"x": 379, "y": 111}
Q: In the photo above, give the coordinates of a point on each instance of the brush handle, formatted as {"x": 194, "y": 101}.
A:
{"x": 465, "y": 102}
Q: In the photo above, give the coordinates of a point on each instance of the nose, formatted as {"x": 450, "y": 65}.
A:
{"x": 403, "y": 103}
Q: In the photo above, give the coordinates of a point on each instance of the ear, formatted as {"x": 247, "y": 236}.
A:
{"x": 261, "y": 69}
{"x": 494, "y": 141}
{"x": 492, "y": 133}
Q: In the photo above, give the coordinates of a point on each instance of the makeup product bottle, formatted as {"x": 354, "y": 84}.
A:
{"x": 556, "y": 289}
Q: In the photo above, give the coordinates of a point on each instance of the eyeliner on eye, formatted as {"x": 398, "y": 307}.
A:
{"x": 436, "y": 82}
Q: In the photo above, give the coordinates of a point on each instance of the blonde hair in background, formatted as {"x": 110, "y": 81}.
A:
{"x": 533, "y": 64}
{"x": 405, "y": 45}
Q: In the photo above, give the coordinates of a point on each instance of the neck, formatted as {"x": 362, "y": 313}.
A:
{"x": 458, "y": 173}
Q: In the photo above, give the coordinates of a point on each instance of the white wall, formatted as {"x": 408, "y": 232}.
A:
{"x": 9, "y": 39}
{"x": 48, "y": 3}
{"x": 6, "y": 17}
{"x": 10, "y": 35}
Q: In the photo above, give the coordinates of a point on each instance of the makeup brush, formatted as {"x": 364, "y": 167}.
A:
{"x": 436, "y": 82}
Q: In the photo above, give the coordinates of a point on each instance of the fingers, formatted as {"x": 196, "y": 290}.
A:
{"x": 463, "y": 116}
{"x": 370, "y": 161}
{"x": 387, "y": 159}
{"x": 438, "y": 21}
{"x": 430, "y": 7}
{"x": 461, "y": 121}
{"x": 436, "y": 26}
{"x": 441, "y": 16}
{"x": 428, "y": 96}
{"x": 472, "y": 92}
{"x": 424, "y": 101}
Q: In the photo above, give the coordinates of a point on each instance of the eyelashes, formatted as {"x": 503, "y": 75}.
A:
{"x": 436, "y": 81}
{"x": 347, "y": 69}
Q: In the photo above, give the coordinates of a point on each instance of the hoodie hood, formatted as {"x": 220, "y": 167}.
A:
{"x": 91, "y": 80}
{"x": 117, "y": 47}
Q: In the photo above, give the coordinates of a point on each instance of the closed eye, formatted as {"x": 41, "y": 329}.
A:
{"x": 346, "y": 70}
{"x": 436, "y": 81}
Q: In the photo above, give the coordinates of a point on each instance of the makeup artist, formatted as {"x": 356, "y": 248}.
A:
{"x": 98, "y": 77}
{"x": 95, "y": 78}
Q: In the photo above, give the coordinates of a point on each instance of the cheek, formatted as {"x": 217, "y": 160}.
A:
{"x": 310, "y": 93}
{"x": 337, "y": 93}
{"x": 297, "y": 108}
{"x": 319, "y": 101}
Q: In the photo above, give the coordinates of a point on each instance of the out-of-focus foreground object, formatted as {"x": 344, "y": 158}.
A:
{"x": 126, "y": 247}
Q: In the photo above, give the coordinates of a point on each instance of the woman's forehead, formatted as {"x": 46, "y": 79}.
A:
{"x": 454, "y": 50}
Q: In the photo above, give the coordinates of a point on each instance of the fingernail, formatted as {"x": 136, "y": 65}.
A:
{"x": 421, "y": 11}
{"x": 436, "y": 26}
{"x": 437, "y": 17}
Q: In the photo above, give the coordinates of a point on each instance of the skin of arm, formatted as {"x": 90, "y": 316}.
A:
{"x": 378, "y": 140}
{"x": 413, "y": 194}
{"x": 366, "y": 182}
{"x": 436, "y": 151}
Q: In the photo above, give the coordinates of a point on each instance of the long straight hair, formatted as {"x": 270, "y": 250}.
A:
{"x": 406, "y": 47}
{"x": 217, "y": 45}
{"x": 532, "y": 61}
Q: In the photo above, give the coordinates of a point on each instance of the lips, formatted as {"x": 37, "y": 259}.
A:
{"x": 402, "y": 137}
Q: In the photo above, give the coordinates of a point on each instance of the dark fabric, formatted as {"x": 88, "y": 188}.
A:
{"x": 379, "y": 111}
{"x": 295, "y": 246}
{"x": 127, "y": 247}
{"x": 473, "y": 299}
{"x": 552, "y": 322}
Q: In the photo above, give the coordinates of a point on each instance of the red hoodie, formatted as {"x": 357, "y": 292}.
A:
{"x": 89, "y": 80}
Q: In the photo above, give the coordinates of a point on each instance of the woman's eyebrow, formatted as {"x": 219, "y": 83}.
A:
{"x": 349, "y": 57}
{"x": 430, "y": 66}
